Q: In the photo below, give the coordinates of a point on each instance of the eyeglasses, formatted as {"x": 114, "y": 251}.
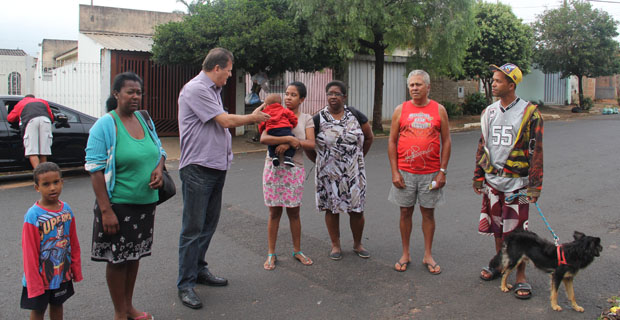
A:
{"x": 335, "y": 94}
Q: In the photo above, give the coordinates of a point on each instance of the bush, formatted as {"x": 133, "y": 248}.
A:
{"x": 453, "y": 109}
{"x": 474, "y": 103}
{"x": 540, "y": 103}
{"x": 587, "y": 103}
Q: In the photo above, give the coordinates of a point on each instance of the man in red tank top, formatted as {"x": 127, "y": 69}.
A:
{"x": 419, "y": 150}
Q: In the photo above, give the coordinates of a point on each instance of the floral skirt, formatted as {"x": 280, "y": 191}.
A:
{"x": 283, "y": 186}
{"x": 132, "y": 242}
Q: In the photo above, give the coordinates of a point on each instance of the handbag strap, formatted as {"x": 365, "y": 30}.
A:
{"x": 147, "y": 118}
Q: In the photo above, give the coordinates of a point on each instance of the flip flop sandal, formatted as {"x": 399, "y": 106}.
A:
{"x": 303, "y": 256}
{"x": 362, "y": 253}
{"x": 523, "y": 286}
{"x": 427, "y": 265}
{"x": 144, "y": 316}
{"x": 271, "y": 261}
{"x": 493, "y": 272}
{"x": 335, "y": 255}
{"x": 401, "y": 265}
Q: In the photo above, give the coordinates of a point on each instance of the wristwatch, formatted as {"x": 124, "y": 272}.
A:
{"x": 445, "y": 172}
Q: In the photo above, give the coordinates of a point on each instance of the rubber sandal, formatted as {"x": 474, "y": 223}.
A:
{"x": 335, "y": 255}
{"x": 427, "y": 265}
{"x": 362, "y": 253}
{"x": 303, "y": 256}
{"x": 493, "y": 272}
{"x": 401, "y": 265}
{"x": 523, "y": 286}
{"x": 144, "y": 316}
{"x": 271, "y": 261}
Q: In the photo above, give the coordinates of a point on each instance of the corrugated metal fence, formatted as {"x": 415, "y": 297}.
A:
{"x": 362, "y": 83}
{"x": 315, "y": 85}
{"x": 75, "y": 85}
{"x": 555, "y": 89}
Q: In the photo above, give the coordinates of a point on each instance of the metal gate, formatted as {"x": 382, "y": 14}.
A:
{"x": 555, "y": 89}
{"x": 162, "y": 85}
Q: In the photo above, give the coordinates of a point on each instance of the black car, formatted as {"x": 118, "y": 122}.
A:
{"x": 70, "y": 131}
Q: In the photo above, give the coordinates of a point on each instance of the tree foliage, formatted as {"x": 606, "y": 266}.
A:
{"x": 577, "y": 40}
{"x": 435, "y": 31}
{"x": 500, "y": 38}
{"x": 264, "y": 35}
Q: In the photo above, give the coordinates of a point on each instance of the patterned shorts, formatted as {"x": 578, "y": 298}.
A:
{"x": 498, "y": 217}
{"x": 283, "y": 186}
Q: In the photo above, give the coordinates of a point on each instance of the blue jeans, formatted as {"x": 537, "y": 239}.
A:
{"x": 202, "y": 201}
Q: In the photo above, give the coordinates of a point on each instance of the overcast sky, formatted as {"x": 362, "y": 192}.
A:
{"x": 25, "y": 23}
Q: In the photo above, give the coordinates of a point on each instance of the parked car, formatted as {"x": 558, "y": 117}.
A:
{"x": 70, "y": 131}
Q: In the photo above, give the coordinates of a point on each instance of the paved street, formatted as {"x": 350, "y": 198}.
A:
{"x": 581, "y": 186}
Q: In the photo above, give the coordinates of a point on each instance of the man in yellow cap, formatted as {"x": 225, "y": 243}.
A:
{"x": 509, "y": 161}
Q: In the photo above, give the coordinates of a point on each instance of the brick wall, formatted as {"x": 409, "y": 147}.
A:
{"x": 444, "y": 89}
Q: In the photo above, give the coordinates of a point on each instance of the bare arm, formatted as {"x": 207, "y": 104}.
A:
{"x": 397, "y": 178}
{"x": 446, "y": 146}
{"x": 108, "y": 217}
{"x": 368, "y": 137}
{"x": 156, "y": 176}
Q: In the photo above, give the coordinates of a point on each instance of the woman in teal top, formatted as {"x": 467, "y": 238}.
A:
{"x": 125, "y": 161}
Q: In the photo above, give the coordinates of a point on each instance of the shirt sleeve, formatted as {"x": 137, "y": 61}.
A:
{"x": 292, "y": 118}
{"x": 309, "y": 121}
{"x": 204, "y": 103}
{"x": 14, "y": 115}
{"x": 31, "y": 247}
{"x": 97, "y": 145}
{"x": 76, "y": 260}
{"x": 49, "y": 110}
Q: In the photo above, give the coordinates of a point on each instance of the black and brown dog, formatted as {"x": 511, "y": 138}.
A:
{"x": 563, "y": 262}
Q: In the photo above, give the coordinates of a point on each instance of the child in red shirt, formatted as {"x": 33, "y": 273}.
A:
{"x": 50, "y": 247}
{"x": 280, "y": 124}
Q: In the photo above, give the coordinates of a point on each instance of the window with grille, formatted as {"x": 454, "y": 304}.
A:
{"x": 15, "y": 83}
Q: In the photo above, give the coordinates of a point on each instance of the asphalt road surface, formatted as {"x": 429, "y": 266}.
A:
{"x": 581, "y": 192}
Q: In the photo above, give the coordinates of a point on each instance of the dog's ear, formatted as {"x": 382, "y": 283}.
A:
{"x": 578, "y": 235}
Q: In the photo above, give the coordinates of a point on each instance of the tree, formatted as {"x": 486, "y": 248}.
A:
{"x": 435, "y": 29}
{"x": 577, "y": 40}
{"x": 500, "y": 38}
{"x": 191, "y": 5}
{"x": 262, "y": 34}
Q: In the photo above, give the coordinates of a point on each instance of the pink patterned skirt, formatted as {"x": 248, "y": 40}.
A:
{"x": 283, "y": 186}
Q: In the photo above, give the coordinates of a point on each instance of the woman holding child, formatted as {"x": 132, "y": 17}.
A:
{"x": 283, "y": 185}
{"x": 125, "y": 160}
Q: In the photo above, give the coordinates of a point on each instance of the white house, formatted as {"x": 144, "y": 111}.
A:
{"x": 16, "y": 72}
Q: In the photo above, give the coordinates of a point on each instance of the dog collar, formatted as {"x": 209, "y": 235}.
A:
{"x": 561, "y": 257}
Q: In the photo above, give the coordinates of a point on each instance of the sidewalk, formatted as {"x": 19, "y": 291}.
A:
{"x": 240, "y": 144}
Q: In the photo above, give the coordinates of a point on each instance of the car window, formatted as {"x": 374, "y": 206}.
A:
{"x": 72, "y": 116}
{"x": 9, "y": 105}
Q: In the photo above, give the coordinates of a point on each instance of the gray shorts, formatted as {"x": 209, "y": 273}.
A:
{"x": 416, "y": 190}
{"x": 38, "y": 137}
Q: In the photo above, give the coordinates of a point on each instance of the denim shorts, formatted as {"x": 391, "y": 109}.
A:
{"x": 416, "y": 191}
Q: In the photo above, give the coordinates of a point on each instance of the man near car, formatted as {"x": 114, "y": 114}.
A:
{"x": 205, "y": 157}
{"x": 509, "y": 165}
{"x": 36, "y": 120}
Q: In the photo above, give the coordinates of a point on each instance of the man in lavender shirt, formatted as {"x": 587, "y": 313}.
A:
{"x": 205, "y": 156}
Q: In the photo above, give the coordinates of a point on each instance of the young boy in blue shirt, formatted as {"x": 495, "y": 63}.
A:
{"x": 51, "y": 251}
